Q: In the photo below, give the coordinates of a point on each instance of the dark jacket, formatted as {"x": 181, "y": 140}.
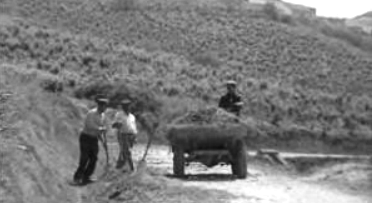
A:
{"x": 231, "y": 103}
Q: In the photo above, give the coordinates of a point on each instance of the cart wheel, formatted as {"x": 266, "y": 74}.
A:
{"x": 239, "y": 164}
{"x": 178, "y": 162}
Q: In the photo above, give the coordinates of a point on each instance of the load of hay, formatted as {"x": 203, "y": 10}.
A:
{"x": 206, "y": 116}
{"x": 206, "y": 128}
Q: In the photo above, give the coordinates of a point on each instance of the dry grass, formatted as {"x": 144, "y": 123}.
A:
{"x": 208, "y": 115}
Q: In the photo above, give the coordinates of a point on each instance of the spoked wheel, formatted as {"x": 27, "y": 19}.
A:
{"x": 178, "y": 161}
{"x": 239, "y": 163}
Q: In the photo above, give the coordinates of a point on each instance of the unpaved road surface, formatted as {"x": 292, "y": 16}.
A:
{"x": 266, "y": 183}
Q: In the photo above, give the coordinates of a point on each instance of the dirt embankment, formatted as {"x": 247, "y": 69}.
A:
{"x": 40, "y": 148}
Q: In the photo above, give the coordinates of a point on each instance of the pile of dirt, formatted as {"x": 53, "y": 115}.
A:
{"x": 142, "y": 186}
{"x": 208, "y": 115}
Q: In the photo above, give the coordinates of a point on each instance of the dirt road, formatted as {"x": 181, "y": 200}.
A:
{"x": 266, "y": 183}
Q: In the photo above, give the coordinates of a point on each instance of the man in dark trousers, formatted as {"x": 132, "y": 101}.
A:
{"x": 95, "y": 127}
{"x": 125, "y": 123}
{"x": 231, "y": 101}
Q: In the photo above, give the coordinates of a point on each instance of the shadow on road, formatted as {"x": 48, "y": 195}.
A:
{"x": 204, "y": 177}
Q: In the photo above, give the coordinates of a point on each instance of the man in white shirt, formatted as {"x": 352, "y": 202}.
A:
{"x": 125, "y": 123}
{"x": 95, "y": 126}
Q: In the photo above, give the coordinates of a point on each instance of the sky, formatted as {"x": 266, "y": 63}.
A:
{"x": 337, "y": 8}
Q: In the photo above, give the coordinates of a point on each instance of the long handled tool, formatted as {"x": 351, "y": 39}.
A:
{"x": 105, "y": 147}
{"x": 141, "y": 166}
{"x": 103, "y": 139}
{"x": 106, "y": 152}
{"x": 150, "y": 128}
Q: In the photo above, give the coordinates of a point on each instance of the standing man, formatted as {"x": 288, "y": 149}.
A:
{"x": 95, "y": 127}
{"x": 125, "y": 123}
{"x": 231, "y": 101}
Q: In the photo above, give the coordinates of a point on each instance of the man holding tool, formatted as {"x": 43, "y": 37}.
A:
{"x": 94, "y": 130}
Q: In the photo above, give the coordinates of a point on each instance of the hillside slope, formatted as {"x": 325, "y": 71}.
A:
{"x": 286, "y": 74}
{"x": 234, "y": 40}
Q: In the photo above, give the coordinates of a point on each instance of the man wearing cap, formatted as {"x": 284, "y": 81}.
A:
{"x": 95, "y": 126}
{"x": 231, "y": 101}
{"x": 125, "y": 123}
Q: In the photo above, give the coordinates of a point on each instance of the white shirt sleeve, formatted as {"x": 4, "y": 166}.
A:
{"x": 132, "y": 124}
{"x": 117, "y": 117}
{"x": 105, "y": 122}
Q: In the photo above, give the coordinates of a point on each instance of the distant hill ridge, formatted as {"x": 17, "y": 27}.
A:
{"x": 363, "y": 21}
{"x": 366, "y": 15}
{"x": 288, "y": 8}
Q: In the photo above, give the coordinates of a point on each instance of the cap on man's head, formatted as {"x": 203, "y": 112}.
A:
{"x": 231, "y": 83}
{"x": 125, "y": 102}
{"x": 102, "y": 100}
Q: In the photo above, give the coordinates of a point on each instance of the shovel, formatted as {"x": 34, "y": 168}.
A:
{"x": 141, "y": 166}
{"x": 149, "y": 122}
{"x": 107, "y": 166}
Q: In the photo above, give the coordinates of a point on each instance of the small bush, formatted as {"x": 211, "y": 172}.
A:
{"x": 143, "y": 99}
{"x": 123, "y": 5}
{"x": 271, "y": 11}
{"x": 287, "y": 19}
{"x": 207, "y": 59}
{"x": 52, "y": 85}
{"x": 90, "y": 89}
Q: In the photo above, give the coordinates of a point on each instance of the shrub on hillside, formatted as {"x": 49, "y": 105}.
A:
{"x": 287, "y": 19}
{"x": 207, "y": 59}
{"x": 123, "y": 5}
{"x": 90, "y": 89}
{"x": 52, "y": 85}
{"x": 271, "y": 11}
{"x": 143, "y": 99}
